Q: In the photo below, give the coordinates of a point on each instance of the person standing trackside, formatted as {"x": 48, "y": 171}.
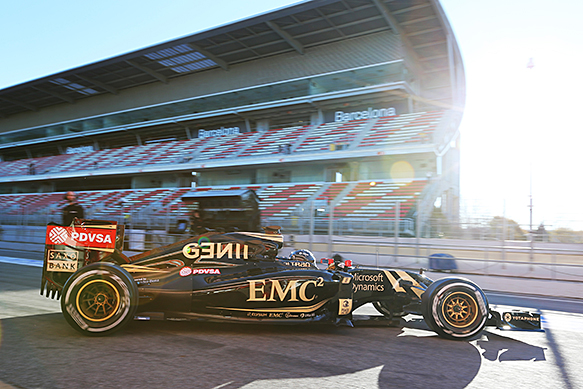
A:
{"x": 72, "y": 209}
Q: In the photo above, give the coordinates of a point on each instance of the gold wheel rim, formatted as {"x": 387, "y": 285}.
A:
{"x": 98, "y": 300}
{"x": 460, "y": 310}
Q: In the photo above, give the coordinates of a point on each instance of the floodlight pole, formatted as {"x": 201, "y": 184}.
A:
{"x": 311, "y": 224}
{"x": 330, "y": 230}
{"x": 504, "y": 228}
{"x": 530, "y": 66}
{"x": 396, "y": 229}
{"x": 417, "y": 228}
{"x": 530, "y": 199}
{"x": 531, "y": 233}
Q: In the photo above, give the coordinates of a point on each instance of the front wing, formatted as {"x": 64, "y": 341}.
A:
{"x": 515, "y": 320}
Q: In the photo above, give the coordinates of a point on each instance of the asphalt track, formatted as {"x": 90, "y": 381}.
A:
{"x": 39, "y": 350}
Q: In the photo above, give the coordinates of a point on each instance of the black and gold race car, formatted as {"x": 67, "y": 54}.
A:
{"x": 238, "y": 276}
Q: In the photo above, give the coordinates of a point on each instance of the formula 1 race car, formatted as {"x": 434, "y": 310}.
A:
{"x": 238, "y": 276}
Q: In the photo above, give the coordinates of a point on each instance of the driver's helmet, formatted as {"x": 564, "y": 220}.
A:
{"x": 302, "y": 255}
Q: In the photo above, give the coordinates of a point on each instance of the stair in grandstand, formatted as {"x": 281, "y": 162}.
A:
{"x": 378, "y": 201}
{"x": 107, "y": 205}
{"x": 302, "y": 137}
{"x": 137, "y": 200}
{"x": 445, "y": 131}
{"x": 362, "y": 134}
{"x": 329, "y": 193}
{"x": 225, "y": 146}
{"x": 280, "y": 200}
{"x": 171, "y": 204}
{"x": 403, "y": 129}
{"x": 101, "y": 204}
{"x": 427, "y": 199}
{"x": 333, "y": 192}
{"x": 312, "y": 203}
{"x": 337, "y": 191}
{"x": 245, "y": 144}
{"x": 331, "y": 136}
{"x": 177, "y": 151}
{"x": 275, "y": 141}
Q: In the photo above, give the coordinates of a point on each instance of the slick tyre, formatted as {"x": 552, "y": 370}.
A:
{"x": 455, "y": 308}
{"x": 99, "y": 299}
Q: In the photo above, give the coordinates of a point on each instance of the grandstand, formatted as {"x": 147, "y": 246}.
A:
{"x": 335, "y": 110}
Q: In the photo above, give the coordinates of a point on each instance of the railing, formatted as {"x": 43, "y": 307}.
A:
{"x": 345, "y": 226}
{"x": 538, "y": 268}
{"x": 322, "y": 225}
{"x": 553, "y": 261}
{"x": 549, "y": 261}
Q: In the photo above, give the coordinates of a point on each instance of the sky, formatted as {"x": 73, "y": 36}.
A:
{"x": 521, "y": 132}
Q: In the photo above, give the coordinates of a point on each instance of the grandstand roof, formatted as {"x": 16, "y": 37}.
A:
{"x": 423, "y": 28}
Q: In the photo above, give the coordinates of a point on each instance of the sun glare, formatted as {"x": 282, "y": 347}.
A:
{"x": 402, "y": 171}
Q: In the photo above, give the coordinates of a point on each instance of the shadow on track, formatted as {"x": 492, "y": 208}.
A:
{"x": 43, "y": 351}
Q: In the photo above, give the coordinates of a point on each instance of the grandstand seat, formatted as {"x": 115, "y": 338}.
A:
{"x": 337, "y": 133}
{"x": 408, "y": 128}
{"x": 271, "y": 141}
{"x": 281, "y": 200}
{"x": 377, "y": 202}
{"x": 225, "y": 146}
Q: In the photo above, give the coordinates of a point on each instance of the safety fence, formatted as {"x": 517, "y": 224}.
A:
{"x": 311, "y": 224}
{"x": 534, "y": 260}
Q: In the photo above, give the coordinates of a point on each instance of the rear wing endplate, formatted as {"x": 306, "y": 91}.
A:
{"x": 69, "y": 248}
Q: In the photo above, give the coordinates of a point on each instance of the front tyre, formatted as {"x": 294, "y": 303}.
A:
{"x": 455, "y": 308}
{"x": 99, "y": 299}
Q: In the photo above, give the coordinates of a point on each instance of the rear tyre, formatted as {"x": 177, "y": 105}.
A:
{"x": 455, "y": 308}
{"x": 99, "y": 299}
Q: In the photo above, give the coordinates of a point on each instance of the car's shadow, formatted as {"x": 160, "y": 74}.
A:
{"x": 48, "y": 353}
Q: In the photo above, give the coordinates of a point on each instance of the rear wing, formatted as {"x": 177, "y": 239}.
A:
{"x": 69, "y": 248}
